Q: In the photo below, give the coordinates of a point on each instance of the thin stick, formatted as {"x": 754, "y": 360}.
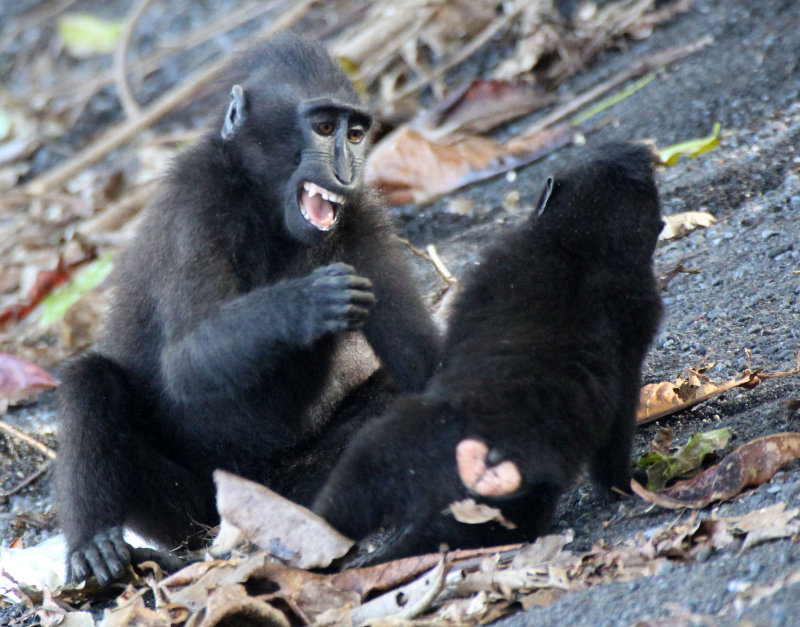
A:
{"x": 440, "y": 267}
{"x": 127, "y": 130}
{"x": 27, "y": 480}
{"x": 42, "y": 448}
{"x": 439, "y": 264}
{"x": 124, "y": 93}
{"x": 648, "y": 64}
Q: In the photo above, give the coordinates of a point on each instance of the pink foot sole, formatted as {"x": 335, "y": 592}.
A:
{"x": 504, "y": 478}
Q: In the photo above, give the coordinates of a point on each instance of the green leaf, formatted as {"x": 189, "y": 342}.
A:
{"x": 661, "y": 468}
{"x": 86, "y": 35}
{"x": 55, "y": 305}
{"x": 690, "y": 148}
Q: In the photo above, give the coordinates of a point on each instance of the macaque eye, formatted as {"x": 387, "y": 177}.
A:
{"x": 355, "y": 134}
{"x": 324, "y": 128}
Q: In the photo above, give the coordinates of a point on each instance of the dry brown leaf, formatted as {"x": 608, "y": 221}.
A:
{"x": 409, "y": 167}
{"x": 299, "y": 589}
{"x": 231, "y": 605}
{"x": 679, "y": 224}
{"x": 287, "y": 530}
{"x": 749, "y": 465}
{"x": 472, "y": 513}
{"x": 480, "y": 106}
{"x": 21, "y": 380}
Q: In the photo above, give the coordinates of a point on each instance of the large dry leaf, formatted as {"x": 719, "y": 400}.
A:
{"x": 749, "y": 465}
{"x": 409, "y": 167}
{"x": 657, "y": 400}
{"x": 480, "y": 106}
{"x": 287, "y": 530}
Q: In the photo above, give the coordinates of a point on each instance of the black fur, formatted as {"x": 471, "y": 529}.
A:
{"x": 233, "y": 340}
{"x": 542, "y": 363}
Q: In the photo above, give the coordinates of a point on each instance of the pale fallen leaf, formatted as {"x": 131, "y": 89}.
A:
{"x": 287, "y": 530}
{"x": 406, "y": 601}
{"x": 679, "y": 224}
{"x": 472, "y": 513}
{"x": 544, "y": 550}
{"x": 767, "y": 523}
{"x": 657, "y": 400}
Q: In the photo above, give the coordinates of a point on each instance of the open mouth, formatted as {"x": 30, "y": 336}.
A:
{"x": 319, "y": 206}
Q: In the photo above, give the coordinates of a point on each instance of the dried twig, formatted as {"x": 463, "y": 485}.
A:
{"x": 439, "y": 264}
{"x": 42, "y": 448}
{"x": 27, "y": 480}
{"x": 124, "y": 93}
{"x": 432, "y": 259}
{"x": 125, "y": 131}
{"x": 664, "y": 279}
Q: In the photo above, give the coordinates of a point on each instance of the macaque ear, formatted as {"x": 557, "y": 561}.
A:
{"x": 548, "y": 189}
{"x": 236, "y": 114}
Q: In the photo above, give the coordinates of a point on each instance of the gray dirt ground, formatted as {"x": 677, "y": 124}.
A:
{"x": 746, "y": 295}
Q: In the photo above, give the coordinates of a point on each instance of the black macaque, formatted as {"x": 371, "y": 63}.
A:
{"x": 240, "y": 310}
{"x": 540, "y": 373}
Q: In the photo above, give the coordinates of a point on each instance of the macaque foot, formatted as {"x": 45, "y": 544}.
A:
{"x": 483, "y": 479}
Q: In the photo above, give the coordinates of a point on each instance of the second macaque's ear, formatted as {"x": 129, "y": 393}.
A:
{"x": 548, "y": 189}
{"x": 236, "y": 114}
